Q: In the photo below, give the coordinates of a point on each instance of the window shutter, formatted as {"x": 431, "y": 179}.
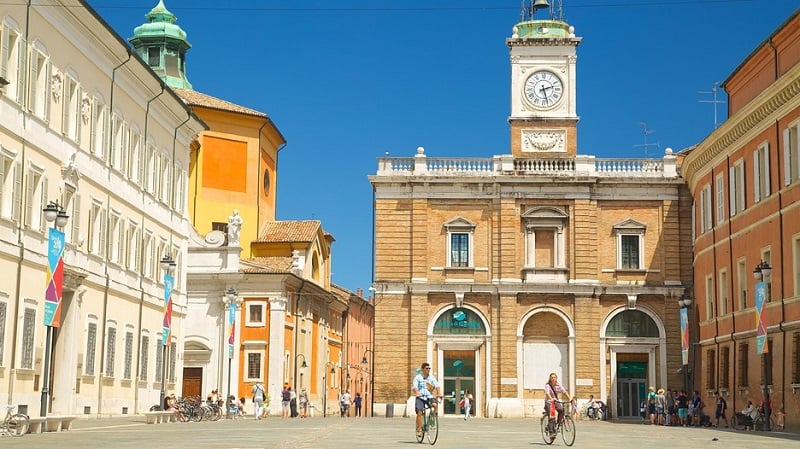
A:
{"x": 732, "y": 190}
{"x": 77, "y": 112}
{"x": 4, "y": 54}
{"x": 29, "y": 191}
{"x": 16, "y": 208}
{"x": 789, "y": 167}
{"x": 33, "y": 80}
{"x": 65, "y": 100}
{"x": 144, "y": 357}
{"x": 75, "y": 219}
{"x": 740, "y": 186}
{"x": 111, "y": 351}
{"x": 756, "y": 176}
{"x": 101, "y": 238}
{"x": 28, "y": 330}
{"x": 91, "y": 337}
{"x": 42, "y": 203}
{"x": 2, "y": 177}
{"x": 47, "y": 91}
{"x": 766, "y": 171}
{"x": 22, "y": 55}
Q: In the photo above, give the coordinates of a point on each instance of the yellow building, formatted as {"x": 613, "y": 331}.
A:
{"x": 501, "y": 270}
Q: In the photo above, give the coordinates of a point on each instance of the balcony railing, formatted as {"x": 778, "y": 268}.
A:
{"x": 507, "y": 165}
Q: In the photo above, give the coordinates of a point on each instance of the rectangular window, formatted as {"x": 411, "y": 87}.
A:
{"x": 91, "y": 345}
{"x": 28, "y": 330}
{"x": 720, "y": 198}
{"x": 99, "y": 124}
{"x": 115, "y": 225}
{"x": 72, "y": 105}
{"x": 796, "y": 358}
{"x": 143, "y": 358}
{"x": 111, "y": 351}
{"x": 741, "y": 282}
{"x": 39, "y": 85}
{"x": 255, "y": 314}
{"x": 10, "y": 186}
{"x": 459, "y": 250}
{"x": 154, "y": 56}
{"x": 791, "y": 153}
{"x": 35, "y": 199}
{"x": 72, "y": 203}
{"x": 134, "y": 172}
{"x": 159, "y": 360}
{"x": 761, "y": 172}
{"x": 706, "y": 217}
{"x": 119, "y": 158}
{"x": 711, "y": 365}
{"x": 134, "y": 243}
{"x": 629, "y": 252}
{"x": 736, "y": 188}
{"x": 723, "y": 292}
{"x": 796, "y": 264}
{"x": 743, "y": 364}
{"x": 253, "y": 365}
{"x": 97, "y": 229}
{"x": 724, "y": 367}
{"x": 709, "y": 297}
{"x": 2, "y": 331}
{"x": 12, "y": 60}
{"x": 128, "y": 355}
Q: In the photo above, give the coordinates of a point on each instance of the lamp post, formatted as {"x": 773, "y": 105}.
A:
{"x": 304, "y": 365}
{"x": 168, "y": 265}
{"x": 684, "y": 303}
{"x": 371, "y": 373}
{"x": 55, "y": 214}
{"x": 761, "y": 272}
{"x": 233, "y": 301}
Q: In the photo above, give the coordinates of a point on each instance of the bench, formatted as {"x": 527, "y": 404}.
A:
{"x": 52, "y": 423}
{"x": 158, "y": 417}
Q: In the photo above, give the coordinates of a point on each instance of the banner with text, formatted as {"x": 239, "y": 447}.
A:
{"x": 761, "y": 324}
{"x": 684, "y": 336}
{"x": 169, "y": 282}
{"x": 55, "y": 278}
{"x": 232, "y": 328}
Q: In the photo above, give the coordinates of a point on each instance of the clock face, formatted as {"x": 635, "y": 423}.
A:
{"x": 543, "y": 89}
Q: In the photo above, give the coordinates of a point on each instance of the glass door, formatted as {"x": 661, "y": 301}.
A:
{"x": 459, "y": 377}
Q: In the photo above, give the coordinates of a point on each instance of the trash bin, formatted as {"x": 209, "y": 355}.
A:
{"x": 390, "y": 410}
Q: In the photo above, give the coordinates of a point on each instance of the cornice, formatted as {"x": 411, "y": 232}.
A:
{"x": 782, "y": 92}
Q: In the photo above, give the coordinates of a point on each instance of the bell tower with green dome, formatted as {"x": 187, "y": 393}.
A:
{"x": 163, "y": 46}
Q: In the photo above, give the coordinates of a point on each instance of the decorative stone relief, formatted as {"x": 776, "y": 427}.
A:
{"x": 86, "y": 108}
{"x": 552, "y": 141}
{"x": 297, "y": 263}
{"x": 215, "y": 239}
{"x": 56, "y": 85}
{"x": 69, "y": 171}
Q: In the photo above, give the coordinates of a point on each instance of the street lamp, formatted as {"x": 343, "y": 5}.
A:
{"x": 371, "y": 373}
{"x": 55, "y": 214}
{"x": 325, "y": 386}
{"x": 304, "y": 365}
{"x": 168, "y": 265}
{"x": 761, "y": 272}
{"x": 233, "y": 301}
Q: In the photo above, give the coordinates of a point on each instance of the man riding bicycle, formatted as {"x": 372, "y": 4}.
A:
{"x": 424, "y": 387}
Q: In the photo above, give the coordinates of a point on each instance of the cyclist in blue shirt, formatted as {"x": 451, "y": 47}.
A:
{"x": 424, "y": 387}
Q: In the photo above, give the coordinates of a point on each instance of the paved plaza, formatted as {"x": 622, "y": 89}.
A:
{"x": 355, "y": 433}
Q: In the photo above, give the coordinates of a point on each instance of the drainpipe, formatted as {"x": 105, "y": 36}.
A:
{"x": 140, "y": 258}
{"x": 727, "y": 174}
{"x": 107, "y": 275}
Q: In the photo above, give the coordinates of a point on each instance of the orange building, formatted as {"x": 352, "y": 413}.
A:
{"x": 744, "y": 181}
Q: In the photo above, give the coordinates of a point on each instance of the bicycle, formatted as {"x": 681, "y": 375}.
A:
{"x": 740, "y": 421}
{"x": 15, "y": 424}
{"x": 430, "y": 424}
{"x": 566, "y": 427}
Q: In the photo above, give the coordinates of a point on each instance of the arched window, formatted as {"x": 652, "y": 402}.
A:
{"x": 632, "y": 323}
{"x": 459, "y": 322}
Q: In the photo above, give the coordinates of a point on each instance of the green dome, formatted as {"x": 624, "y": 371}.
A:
{"x": 162, "y": 45}
{"x": 160, "y": 24}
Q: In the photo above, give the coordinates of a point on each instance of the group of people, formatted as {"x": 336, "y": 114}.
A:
{"x": 346, "y": 400}
{"x": 677, "y": 408}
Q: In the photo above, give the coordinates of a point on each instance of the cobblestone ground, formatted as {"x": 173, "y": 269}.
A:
{"x": 352, "y": 433}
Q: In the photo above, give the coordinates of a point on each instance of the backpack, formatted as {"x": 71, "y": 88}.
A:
{"x": 651, "y": 398}
{"x": 286, "y": 396}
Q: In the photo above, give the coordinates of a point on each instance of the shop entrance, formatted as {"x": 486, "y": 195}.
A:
{"x": 459, "y": 377}
{"x": 631, "y": 387}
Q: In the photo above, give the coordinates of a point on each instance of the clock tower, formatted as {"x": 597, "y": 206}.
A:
{"x": 543, "y": 114}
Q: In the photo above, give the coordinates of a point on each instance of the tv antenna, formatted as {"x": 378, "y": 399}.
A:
{"x": 646, "y": 133}
{"x": 714, "y": 100}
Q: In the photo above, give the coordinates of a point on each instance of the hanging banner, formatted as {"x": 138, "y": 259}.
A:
{"x": 55, "y": 278}
{"x": 684, "y": 336}
{"x": 761, "y": 325}
{"x": 169, "y": 282}
{"x": 232, "y": 328}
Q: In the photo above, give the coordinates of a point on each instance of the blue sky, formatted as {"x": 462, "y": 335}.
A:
{"x": 347, "y": 81}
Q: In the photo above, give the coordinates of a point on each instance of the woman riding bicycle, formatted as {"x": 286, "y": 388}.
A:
{"x": 551, "y": 391}
{"x": 424, "y": 387}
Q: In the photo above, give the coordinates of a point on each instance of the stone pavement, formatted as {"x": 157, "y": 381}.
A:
{"x": 354, "y": 433}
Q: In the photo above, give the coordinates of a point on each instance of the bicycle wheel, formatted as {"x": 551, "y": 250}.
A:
{"x": 737, "y": 422}
{"x": 545, "y": 432}
{"x": 215, "y": 414}
{"x": 433, "y": 428}
{"x": 18, "y": 424}
{"x": 568, "y": 430}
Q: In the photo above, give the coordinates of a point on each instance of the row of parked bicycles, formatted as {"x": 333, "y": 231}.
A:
{"x": 740, "y": 421}
{"x": 195, "y": 408}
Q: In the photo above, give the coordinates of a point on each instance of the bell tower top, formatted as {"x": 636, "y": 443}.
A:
{"x": 162, "y": 45}
{"x": 543, "y": 79}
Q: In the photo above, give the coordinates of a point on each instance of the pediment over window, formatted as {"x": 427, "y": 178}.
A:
{"x": 630, "y": 225}
{"x": 545, "y": 212}
{"x": 459, "y": 223}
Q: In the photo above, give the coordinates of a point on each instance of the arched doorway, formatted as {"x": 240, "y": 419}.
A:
{"x": 460, "y": 335}
{"x": 635, "y": 341}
